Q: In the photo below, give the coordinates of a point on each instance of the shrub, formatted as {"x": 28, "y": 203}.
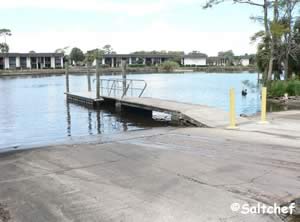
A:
{"x": 293, "y": 88}
{"x": 279, "y": 88}
{"x": 169, "y": 66}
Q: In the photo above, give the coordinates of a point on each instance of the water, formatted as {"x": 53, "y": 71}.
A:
{"x": 33, "y": 110}
{"x": 210, "y": 89}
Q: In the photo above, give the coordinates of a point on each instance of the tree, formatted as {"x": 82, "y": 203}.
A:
{"x": 4, "y": 33}
{"x": 291, "y": 48}
{"x": 108, "y": 49}
{"x": 4, "y": 48}
{"x": 226, "y": 54}
{"x": 62, "y": 50}
{"x": 91, "y": 55}
{"x": 76, "y": 55}
{"x": 265, "y": 5}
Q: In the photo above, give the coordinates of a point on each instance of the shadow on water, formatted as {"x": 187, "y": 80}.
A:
{"x": 107, "y": 118}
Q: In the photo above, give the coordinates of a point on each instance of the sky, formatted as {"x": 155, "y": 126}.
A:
{"x": 128, "y": 25}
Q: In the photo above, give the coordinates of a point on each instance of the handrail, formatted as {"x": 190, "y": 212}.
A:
{"x": 117, "y": 86}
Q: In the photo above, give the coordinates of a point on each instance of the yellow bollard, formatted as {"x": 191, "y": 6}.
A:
{"x": 232, "y": 110}
{"x": 264, "y": 106}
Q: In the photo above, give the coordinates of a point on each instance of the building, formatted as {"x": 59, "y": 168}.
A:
{"x": 31, "y": 61}
{"x": 217, "y": 61}
{"x": 148, "y": 59}
{"x": 194, "y": 59}
{"x": 114, "y": 60}
{"x": 245, "y": 60}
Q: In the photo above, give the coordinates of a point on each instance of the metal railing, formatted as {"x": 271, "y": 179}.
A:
{"x": 121, "y": 88}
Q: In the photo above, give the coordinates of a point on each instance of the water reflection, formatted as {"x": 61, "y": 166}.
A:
{"x": 90, "y": 123}
{"x": 69, "y": 133}
{"x": 106, "y": 119}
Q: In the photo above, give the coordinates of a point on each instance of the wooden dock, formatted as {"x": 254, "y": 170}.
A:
{"x": 186, "y": 113}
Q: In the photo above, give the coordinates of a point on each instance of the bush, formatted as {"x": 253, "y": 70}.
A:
{"x": 293, "y": 88}
{"x": 169, "y": 66}
{"x": 279, "y": 88}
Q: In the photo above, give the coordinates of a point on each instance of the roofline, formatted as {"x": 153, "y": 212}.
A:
{"x": 45, "y": 54}
{"x": 139, "y": 55}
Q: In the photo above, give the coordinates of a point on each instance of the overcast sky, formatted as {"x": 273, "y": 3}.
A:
{"x": 128, "y": 25}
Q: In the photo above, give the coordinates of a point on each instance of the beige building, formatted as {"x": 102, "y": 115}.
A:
{"x": 31, "y": 60}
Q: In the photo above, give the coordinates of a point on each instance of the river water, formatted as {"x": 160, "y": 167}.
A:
{"x": 33, "y": 110}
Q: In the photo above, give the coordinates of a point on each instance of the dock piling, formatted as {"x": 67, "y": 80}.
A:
{"x": 97, "y": 79}
{"x": 67, "y": 76}
{"x": 89, "y": 78}
{"x": 123, "y": 63}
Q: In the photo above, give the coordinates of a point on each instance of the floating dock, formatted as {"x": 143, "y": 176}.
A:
{"x": 185, "y": 113}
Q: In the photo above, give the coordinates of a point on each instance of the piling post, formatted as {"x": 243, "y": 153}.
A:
{"x": 67, "y": 76}
{"x": 89, "y": 78}
{"x": 232, "y": 114}
{"x": 264, "y": 106}
{"x": 97, "y": 79}
{"x": 124, "y": 78}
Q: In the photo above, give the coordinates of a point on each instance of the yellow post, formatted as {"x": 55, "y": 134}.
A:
{"x": 232, "y": 110}
{"x": 264, "y": 106}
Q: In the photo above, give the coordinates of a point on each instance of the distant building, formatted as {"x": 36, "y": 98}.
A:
{"x": 114, "y": 60}
{"x": 148, "y": 59}
{"x": 217, "y": 61}
{"x": 194, "y": 59}
{"x": 31, "y": 60}
{"x": 245, "y": 60}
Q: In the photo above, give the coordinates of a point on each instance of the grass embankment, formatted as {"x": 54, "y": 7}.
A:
{"x": 280, "y": 88}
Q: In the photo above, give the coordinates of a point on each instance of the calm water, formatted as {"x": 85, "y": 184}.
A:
{"x": 33, "y": 110}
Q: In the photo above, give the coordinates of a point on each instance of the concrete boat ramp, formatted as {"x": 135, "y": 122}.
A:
{"x": 185, "y": 113}
{"x": 157, "y": 175}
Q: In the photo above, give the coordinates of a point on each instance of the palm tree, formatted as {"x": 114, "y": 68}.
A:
{"x": 4, "y": 33}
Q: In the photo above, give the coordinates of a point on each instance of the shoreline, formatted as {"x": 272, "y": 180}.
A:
{"x": 291, "y": 102}
{"x": 131, "y": 70}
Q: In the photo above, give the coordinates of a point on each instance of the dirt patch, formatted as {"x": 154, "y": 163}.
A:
{"x": 4, "y": 213}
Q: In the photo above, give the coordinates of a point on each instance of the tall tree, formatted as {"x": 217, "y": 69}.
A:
{"x": 62, "y": 50}
{"x": 108, "y": 49}
{"x": 289, "y": 7}
{"x": 264, "y": 5}
{"x": 76, "y": 55}
{"x": 4, "y": 47}
{"x": 91, "y": 55}
{"x": 4, "y": 33}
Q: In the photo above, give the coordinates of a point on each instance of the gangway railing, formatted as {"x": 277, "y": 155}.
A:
{"x": 121, "y": 88}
